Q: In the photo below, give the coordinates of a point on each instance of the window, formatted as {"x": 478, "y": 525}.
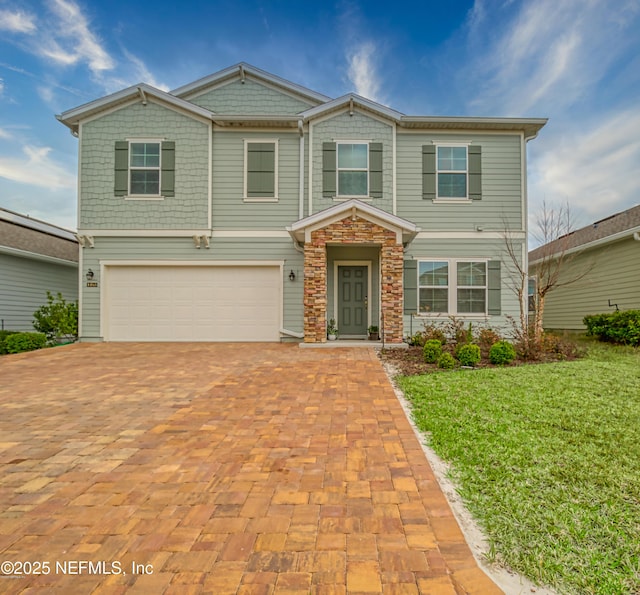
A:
{"x": 353, "y": 169}
{"x": 531, "y": 293}
{"x": 144, "y": 169}
{"x": 472, "y": 287}
{"x": 261, "y": 170}
{"x": 452, "y": 287}
{"x": 434, "y": 286}
{"x": 452, "y": 172}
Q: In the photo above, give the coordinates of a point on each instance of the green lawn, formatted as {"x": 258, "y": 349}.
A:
{"x": 547, "y": 458}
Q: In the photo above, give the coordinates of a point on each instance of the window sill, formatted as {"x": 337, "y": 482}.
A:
{"x": 260, "y": 199}
{"x": 452, "y": 201}
{"x": 447, "y": 315}
{"x": 346, "y": 198}
{"x": 143, "y": 197}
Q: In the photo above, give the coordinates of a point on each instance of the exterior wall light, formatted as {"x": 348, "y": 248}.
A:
{"x": 89, "y": 275}
{"x": 292, "y": 276}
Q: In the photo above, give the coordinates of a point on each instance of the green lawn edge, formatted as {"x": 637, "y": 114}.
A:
{"x": 547, "y": 459}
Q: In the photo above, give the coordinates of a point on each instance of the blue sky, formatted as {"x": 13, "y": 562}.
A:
{"x": 576, "y": 62}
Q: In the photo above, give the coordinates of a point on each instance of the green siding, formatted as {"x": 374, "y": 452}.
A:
{"x": 101, "y": 209}
{"x": 251, "y": 98}
{"x": 229, "y": 209}
{"x": 24, "y": 287}
{"x": 501, "y": 184}
{"x": 356, "y": 127}
{"x": 611, "y": 274}
{"x": 182, "y": 249}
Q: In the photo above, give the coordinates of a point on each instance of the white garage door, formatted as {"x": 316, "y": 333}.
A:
{"x": 204, "y": 303}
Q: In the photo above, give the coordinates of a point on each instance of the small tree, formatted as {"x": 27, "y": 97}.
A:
{"x": 57, "y": 319}
{"x": 553, "y": 231}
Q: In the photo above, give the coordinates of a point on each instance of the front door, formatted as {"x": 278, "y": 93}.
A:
{"x": 352, "y": 301}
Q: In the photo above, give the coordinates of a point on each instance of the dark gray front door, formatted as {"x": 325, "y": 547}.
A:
{"x": 352, "y": 301}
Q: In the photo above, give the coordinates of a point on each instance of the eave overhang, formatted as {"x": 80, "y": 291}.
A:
{"x": 405, "y": 230}
{"x": 72, "y": 118}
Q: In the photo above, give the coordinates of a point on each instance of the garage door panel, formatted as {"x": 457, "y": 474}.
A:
{"x": 165, "y": 303}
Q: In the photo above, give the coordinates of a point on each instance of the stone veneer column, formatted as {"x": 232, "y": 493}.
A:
{"x": 352, "y": 231}
{"x": 315, "y": 291}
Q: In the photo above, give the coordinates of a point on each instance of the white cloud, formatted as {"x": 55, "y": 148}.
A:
{"x": 362, "y": 71}
{"x": 37, "y": 169}
{"x": 135, "y": 71}
{"x": 73, "y": 39}
{"x": 17, "y": 21}
{"x": 591, "y": 168}
{"x": 546, "y": 54}
{"x": 4, "y": 134}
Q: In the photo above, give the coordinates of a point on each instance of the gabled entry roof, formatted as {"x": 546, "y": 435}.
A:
{"x": 301, "y": 230}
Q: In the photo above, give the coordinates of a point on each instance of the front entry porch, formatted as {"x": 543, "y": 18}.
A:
{"x": 353, "y": 266}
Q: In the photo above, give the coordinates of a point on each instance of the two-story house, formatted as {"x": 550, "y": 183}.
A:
{"x": 244, "y": 207}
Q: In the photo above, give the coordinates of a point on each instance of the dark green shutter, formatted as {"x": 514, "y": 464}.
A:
{"x": 475, "y": 172}
{"x": 329, "y": 170}
{"x": 121, "y": 177}
{"x": 429, "y": 172}
{"x": 168, "y": 174}
{"x": 375, "y": 170}
{"x": 261, "y": 168}
{"x": 494, "y": 288}
{"x": 410, "y": 283}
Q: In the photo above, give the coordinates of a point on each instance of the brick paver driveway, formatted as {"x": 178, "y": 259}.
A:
{"x": 189, "y": 468}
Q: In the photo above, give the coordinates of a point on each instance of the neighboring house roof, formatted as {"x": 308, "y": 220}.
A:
{"x": 604, "y": 231}
{"x": 21, "y": 235}
{"x": 320, "y": 105}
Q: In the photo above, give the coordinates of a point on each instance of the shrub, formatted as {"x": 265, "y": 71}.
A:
{"x": 615, "y": 327}
{"x": 486, "y": 339}
{"x": 432, "y": 350}
{"x": 3, "y": 336}
{"x": 58, "y": 318}
{"x": 469, "y": 354}
{"x": 446, "y": 361}
{"x": 19, "y": 342}
{"x": 560, "y": 347}
{"x": 502, "y": 353}
{"x": 458, "y": 335}
{"x": 430, "y": 331}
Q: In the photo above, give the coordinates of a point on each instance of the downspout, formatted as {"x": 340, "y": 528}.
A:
{"x": 636, "y": 236}
{"x": 525, "y": 246}
{"x": 301, "y": 166}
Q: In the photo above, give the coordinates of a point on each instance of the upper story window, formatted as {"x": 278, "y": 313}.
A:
{"x": 261, "y": 170}
{"x": 144, "y": 169}
{"x": 353, "y": 169}
{"x": 452, "y": 172}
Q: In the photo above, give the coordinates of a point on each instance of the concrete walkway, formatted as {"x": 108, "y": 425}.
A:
{"x": 218, "y": 468}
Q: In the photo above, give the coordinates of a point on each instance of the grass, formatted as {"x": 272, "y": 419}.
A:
{"x": 547, "y": 459}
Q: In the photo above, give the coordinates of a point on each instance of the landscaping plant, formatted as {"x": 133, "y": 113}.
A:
{"x": 502, "y": 353}
{"x": 57, "y": 319}
{"x": 468, "y": 354}
{"x": 446, "y": 361}
{"x": 19, "y": 342}
{"x": 432, "y": 350}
